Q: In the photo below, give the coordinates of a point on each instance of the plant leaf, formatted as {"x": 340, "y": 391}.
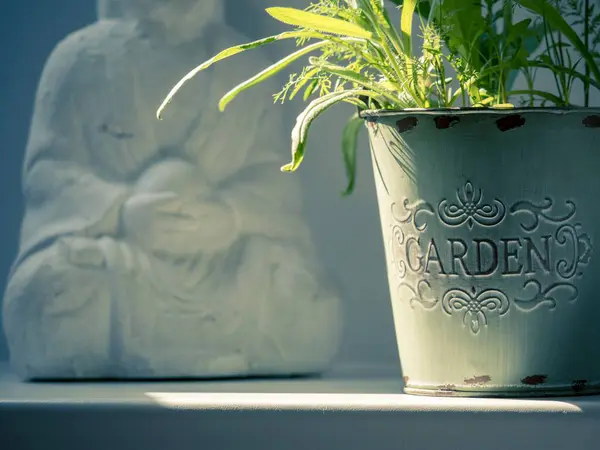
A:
{"x": 267, "y": 73}
{"x": 227, "y": 53}
{"x": 304, "y": 121}
{"x": 408, "y": 11}
{"x": 531, "y": 41}
{"x": 307, "y": 77}
{"x": 310, "y": 113}
{"x": 387, "y": 41}
{"x": 543, "y": 94}
{"x": 464, "y": 22}
{"x": 310, "y": 89}
{"x": 349, "y": 146}
{"x": 300, "y": 18}
{"x": 354, "y": 77}
{"x": 556, "y": 20}
{"x": 564, "y": 70}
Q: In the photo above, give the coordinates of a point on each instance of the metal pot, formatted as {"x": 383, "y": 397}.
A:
{"x": 490, "y": 218}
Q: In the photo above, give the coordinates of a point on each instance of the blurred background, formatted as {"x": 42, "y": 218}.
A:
{"x": 346, "y": 230}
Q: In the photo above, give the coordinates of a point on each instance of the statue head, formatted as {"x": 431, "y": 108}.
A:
{"x": 181, "y": 17}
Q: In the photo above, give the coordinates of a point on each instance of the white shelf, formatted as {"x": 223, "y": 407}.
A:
{"x": 364, "y": 411}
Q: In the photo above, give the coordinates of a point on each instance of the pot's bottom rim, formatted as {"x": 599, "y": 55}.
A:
{"x": 504, "y": 391}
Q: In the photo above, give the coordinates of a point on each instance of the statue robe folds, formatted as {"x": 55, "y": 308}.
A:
{"x": 161, "y": 249}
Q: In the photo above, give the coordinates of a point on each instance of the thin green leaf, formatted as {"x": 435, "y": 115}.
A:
{"x": 308, "y": 77}
{"x": 378, "y": 10}
{"x": 357, "y": 102}
{"x": 465, "y": 22}
{"x": 384, "y": 35}
{"x": 462, "y": 90}
{"x": 310, "y": 89}
{"x": 354, "y": 77}
{"x": 565, "y": 71}
{"x": 227, "y": 53}
{"x": 349, "y": 146}
{"x": 543, "y": 94}
{"x": 306, "y": 118}
{"x": 267, "y": 73}
{"x": 406, "y": 21}
{"x": 300, "y": 18}
{"x": 556, "y": 20}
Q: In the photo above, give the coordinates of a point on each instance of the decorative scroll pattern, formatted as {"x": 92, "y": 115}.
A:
{"x": 412, "y": 218}
{"x": 471, "y": 209}
{"x": 412, "y": 212}
{"x": 420, "y": 295}
{"x": 545, "y": 296}
{"x": 541, "y": 212}
{"x": 475, "y": 306}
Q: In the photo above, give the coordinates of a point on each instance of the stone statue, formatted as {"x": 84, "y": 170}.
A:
{"x": 170, "y": 248}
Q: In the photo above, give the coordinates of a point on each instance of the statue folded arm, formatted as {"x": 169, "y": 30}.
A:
{"x": 66, "y": 193}
{"x": 174, "y": 212}
{"x": 70, "y": 231}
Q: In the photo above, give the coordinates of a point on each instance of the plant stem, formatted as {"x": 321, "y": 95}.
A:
{"x": 504, "y": 73}
{"x": 586, "y": 33}
{"x": 549, "y": 41}
{"x": 530, "y": 77}
{"x": 491, "y": 32}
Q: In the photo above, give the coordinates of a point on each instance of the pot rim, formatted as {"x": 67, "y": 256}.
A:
{"x": 459, "y": 111}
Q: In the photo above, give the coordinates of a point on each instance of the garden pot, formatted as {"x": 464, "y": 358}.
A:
{"x": 490, "y": 219}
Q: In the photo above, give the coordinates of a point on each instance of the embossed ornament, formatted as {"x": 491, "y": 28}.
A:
{"x": 471, "y": 209}
{"x": 549, "y": 264}
{"x": 475, "y": 306}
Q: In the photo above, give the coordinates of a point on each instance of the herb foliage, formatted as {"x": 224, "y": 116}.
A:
{"x": 466, "y": 53}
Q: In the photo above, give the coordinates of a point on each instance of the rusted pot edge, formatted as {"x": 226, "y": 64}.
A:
{"x": 503, "y": 392}
{"x": 506, "y": 119}
{"x": 375, "y": 113}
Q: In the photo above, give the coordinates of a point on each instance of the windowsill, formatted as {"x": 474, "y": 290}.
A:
{"x": 344, "y": 409}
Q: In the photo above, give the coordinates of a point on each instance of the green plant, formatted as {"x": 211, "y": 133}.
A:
{"x": 470, "y": 54}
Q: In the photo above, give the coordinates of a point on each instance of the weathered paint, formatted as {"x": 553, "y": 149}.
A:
{"x": 534, "y": 380}
{"x": 592, "y": 121}
{"x": 407, "y": 124}
{"x": 445, "y": 122}
{"x": 579, "y": 385}
{"x": 510, "y": 122}
{"x": 490, "y": 231}
{"x": 482, "y": 379}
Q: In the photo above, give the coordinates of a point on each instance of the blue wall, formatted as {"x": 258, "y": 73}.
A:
{"x": 29, "y": 30}
{"x": 347, "y": 231}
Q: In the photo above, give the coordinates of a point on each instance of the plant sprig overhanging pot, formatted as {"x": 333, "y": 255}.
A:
{"x": 490, "y": 219}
